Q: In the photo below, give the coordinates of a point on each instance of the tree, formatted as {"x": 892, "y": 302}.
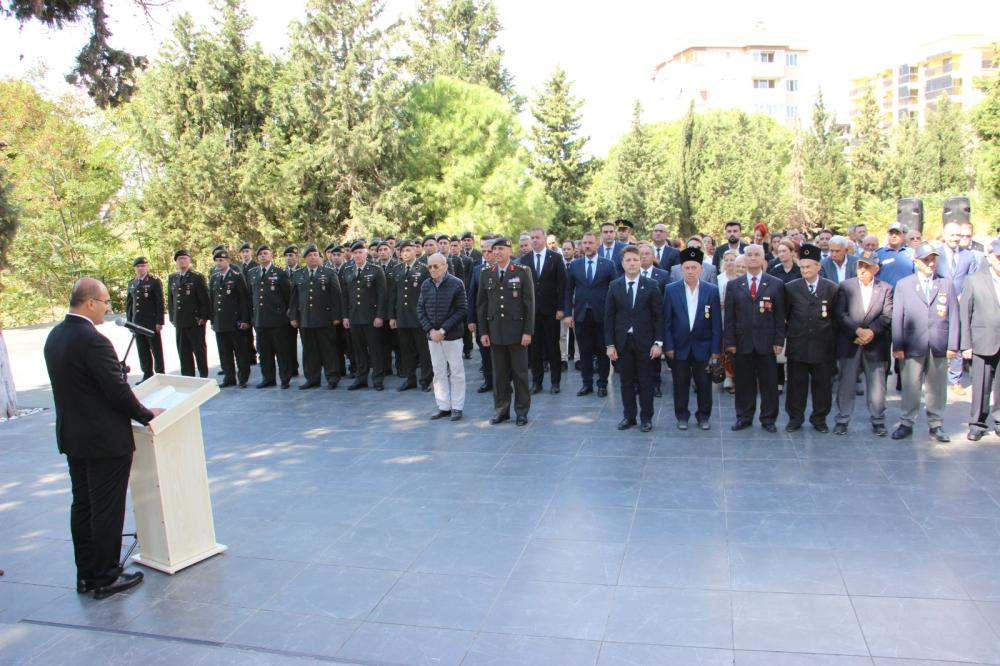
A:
{"x": 558, "y": 159}
{"x": 107, "y": 73}
{"x": 946, "y": 147}
{"x": 986, "y": 122}
{"x": 868, "y": 165}
{"x": 8, "y": 228}
{"x": 824, "y": 173}
{"x": 802, "y": 211}
{"x": 686, "y": 172}
{"x": 457, "y": 38}
{"x": 912, "y": 163}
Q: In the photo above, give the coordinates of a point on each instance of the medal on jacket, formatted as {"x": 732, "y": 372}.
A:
{"x": 823, "y": 313}
{"x": 942, "y": 310}
{"x": 943, "y": 298}
{"x": 708, "y": 311}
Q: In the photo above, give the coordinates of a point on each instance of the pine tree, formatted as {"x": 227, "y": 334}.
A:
{"x": 986, "y": 122}
{"x": 946, "y": 147}
{"x": 868, "y": 160}
{"x": 686, "y": 168}
{"x": 558, "y": 158}
{"x": 824, "y": 171}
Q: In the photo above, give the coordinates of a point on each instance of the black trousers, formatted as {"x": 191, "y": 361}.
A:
{"x": 368, "y": 353}
{"x": 510, "y": 364}
{"x": 272, "y": 344}
{"x": 486, "y": 358}
{"x": 545, "y": 347}
{"x": 803, "y": 379}
{"x": 755, "y": 373}
{"x": 97, "y": 515}
{"x": 684, "y": 371}
{"x": 234, "y": 357}
{"x": 292, "y": 340}
{"x": 344, "y": 350}
{"x": 150, "y": 353}
{"x": 634, "y": 371}
{"x": 390, "y": 346}
{"x": 251, "y": 346}
{"x": 467, "y": 341}
{"x": 192, "y": 350}
{"x": 590, "y": 337}
{"x": 985, "y": 382}
{"x": 413, "y": 353}
{"x": 320, "y": 354}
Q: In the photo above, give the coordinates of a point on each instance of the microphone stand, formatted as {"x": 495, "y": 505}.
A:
{"x": 125, "y": 369}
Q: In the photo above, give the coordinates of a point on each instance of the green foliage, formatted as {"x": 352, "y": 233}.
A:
{"x": 824, "y": 174}
{"x": 986, "y": 122}
{"x": 870, "y": 176}
{"x": 8, "y": 216}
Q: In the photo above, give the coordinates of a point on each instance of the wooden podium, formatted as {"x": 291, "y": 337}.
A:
{"x": 170, "y": 498}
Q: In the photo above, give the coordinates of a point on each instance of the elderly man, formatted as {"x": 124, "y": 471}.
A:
{"x": 914, "y": 239}
{"x": 708, "y": 273}
{"x": 839, "y": 265}
{"x": 980, "y": 330}
{"x": 548, "y": 274}
{"x": 441, "y": 310}
{"x": 955, "y": 263}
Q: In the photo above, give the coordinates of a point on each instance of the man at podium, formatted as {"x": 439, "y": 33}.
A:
{"x": 94, "y": 408}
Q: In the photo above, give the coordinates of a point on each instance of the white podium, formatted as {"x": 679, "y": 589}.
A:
{"x": 170, "y": 498}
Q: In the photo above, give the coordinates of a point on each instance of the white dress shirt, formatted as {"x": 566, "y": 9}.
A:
{"x": 866, "y": 294}
{"x": 692, "y": 303}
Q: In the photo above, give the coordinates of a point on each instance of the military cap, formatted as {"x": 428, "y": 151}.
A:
{"x": 810, "y": 251}
{"x": 405, "y": 243}
{"x": 291, "y": 249}
{"x": 925, "y": 250}
{"x": 453, "y": 239}
{"x": 245, "y": 246}
{"x": 467, "y": 234}
{"x": 871, "y": 261}
{"x": 262, "y": 247}
{"x": 181, "y": 253}
{"x": 357, "y": 245}
{"x": 337, "y": 247}
{"x": 621, "y": 222}
{"x": 502, "y": 241}
{"x": 139, "y": 261}
{"x": 380, "y": 244}
{"x": 332, "y": 247}
{"x": 428, "y": 237}
{"x": 309, "y": 249}
{"x": 390, "y": 237}
{"x": 439, "y": 237}
{"x": 217, "y": 248}
{"x": 692, "y": 254}
{"x": 995, "y": 246}
{"x": 220, "y": 254}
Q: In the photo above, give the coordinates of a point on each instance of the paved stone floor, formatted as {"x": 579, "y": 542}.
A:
{"x": 360, "y": 532}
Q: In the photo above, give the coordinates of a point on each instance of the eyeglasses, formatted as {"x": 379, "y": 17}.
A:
{"x": 106, "y": 302}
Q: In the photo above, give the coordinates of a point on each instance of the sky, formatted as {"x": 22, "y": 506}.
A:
{"x": 609, "y": 49}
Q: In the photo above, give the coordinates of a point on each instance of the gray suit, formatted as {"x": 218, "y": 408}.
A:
{"x": 851, "y": 314}
{"x": 829, "y": 270}
{"x": 708, "y": 273}
{"x": 980, "y": 332}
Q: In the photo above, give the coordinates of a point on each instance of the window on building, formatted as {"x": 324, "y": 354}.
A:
{"x": 791, "y": 59}
{"x": 792, "y": 85}
{"x": 763, "y": 84}
{"x": 763, "y": 56}
{"x": 791, "y": 111}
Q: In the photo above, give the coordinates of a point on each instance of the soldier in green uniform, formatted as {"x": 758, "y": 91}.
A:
{"x": 344, "y": 347}
{"x": 270, "y": 290}
{"x": 329, "y": 255}
{"x": 144, "y": 306}
{"x": 469, "y": 248}
{"x": 316, "y": 309}
{"x": 189, "y": 308}
{"x": 230, "y": 317}
{"x": 390, "y": 340}
{"x": 407, "y": 277}
{"x": 247, "y": 264}
{"x": 505, "y": 320}
{"x": 291, "y": 267}
{"x": 364, "y": 289}
{"x": 462, "y": 263}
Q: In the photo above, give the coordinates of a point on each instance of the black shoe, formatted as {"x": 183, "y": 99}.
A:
{"x": 456, "y": 415}
{"x": 243, "y": 384}
{"x": 902, "y": 432}
{"x": 657, "y": 392}
{"x": 625, "y": 424}
{"x": 351, "y": 374}
{"x": 84, "y": 586}
{"x": 267, "y": 384}
{"x": 308, "y": 385}
{"x": 682, "y": 425}
{"x": 406, "y": 386}
{"x": 564, "y": 365}
{"x": 840, "y": 429}
{"x": 938, "y": 434}
{"x": 427, "y": 388}
{"x": 440, "y": 414}
{"x": 467, "y": 355}
{"x": 357, "y": 385}
{"x": 536, "y": 388}
{"x": 555, "y": 389}
{"x": 379, "y": 387}
{"x": 577, "y": 366}
{"x": 334, "y": 383}
{"x": 295, "y": 373}
{"x": 221, "y": 372}
{"x": 227, "y": 383}
{"x": 586, "y": 390}
{"x": 485, "y": 388}
{"x": 499, "y": 418}
{"x": 285, "y": 385}
{"x": 879, "y": 430}
{"x": 704, "y": 425}
{"x": 522, "y": 420}
{"x": 646, "y": 426}
{"x": 123, "y": 582}
{"x": 793, "y": 427}
{"x": 858, "y": 390}
{"x": 602, "y": 392}
{"x": 769, "y": 427}
{"x": 821, "y": 427}
{"x": 740, "y": 425}
{"x": 974, "y": 435}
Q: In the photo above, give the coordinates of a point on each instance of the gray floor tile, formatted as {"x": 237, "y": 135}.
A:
{"x": 660, "y": 564}
{"x": 597, "y": 492}
{"x": 697, "y": 618}
{"x": 586, "y": 523}
{"x": 780, "y": 569}
{"x": 419, "y": 646}
{"x": 692, "y": 494}
{"x": 567, "y": 561}
{"x": 747, "y": 658}
{"x": 796, "y": 623}
{"x": 232, "y": 581}
{"x": 291, "y": 632}
{"x": 777, "y": 497}
{"x": 482, "y": 553}
{"x": 630, "y": 654}
{"x": 348, "y": 593}
{"x": 558, "y": 610}
{"x": 899, "y": 574}
{"x": 977, "y": 573}
{"x": 794, "y": 530}
{"x": 184, "y": 619}
{"x": 504, "y": 649}
{"x": 435, "y": 600}
{"x": 679, "y": 526}
{"x": 378, "y": 548}
{"x": 18, "y": 600}
{"x": 859, "y": 500}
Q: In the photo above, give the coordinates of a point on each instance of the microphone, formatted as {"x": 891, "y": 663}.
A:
{"x": 135, "y": 328}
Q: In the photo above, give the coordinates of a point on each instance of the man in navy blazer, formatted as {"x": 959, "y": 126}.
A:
{"x": 666, "y": 256}
{"x": 610, "y": 248}
{"x": 925, "y": 328}
{"x": 486, "y": 252}
{"x": 692, "y": 335}
{"x": 649, "y": 269}
{"x": 956, "y": 264}
{"x": 633, "y": 323}
{"x": 587, "y": 281}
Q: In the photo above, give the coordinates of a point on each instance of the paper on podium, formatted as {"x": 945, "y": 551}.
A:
{"x": 165, "y": 397}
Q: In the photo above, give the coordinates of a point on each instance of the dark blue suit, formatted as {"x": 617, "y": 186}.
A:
{"x": 658, "y": 275}
{"x": 645, "y": 319}
{"x": 692, "y": 346}
{"x": 585, "y": 303}
{"x": 662, "y": 279}
{"x": 669, "y": 257}
{"x": 616, "y": 255}
{"x": 471, "y": 301}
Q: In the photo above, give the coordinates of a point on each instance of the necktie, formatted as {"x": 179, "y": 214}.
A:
{"x": 590, "y": 271}
{"x": 631, "y": 294}
{"x": 408, "y": 269}
{"x": 753, "y": 287}
{"x": 812, "y": 289}
{"x": 954, "y": 262}
{"x": 501, "y": 273}
{"x": 927, "y": 291}
{"x": 538, "y": 264}
{"x": 659, "y": 252}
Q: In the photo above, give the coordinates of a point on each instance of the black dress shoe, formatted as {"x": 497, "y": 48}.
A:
{"x": 625, "y": 424}
{"x": 227, "y": 384}
{"x": 308, "y": 385}
{"x": 793, "y": 427}
{"x": 536, "y": 388}
{"x": 974, "y": 435}
{"x": 221, "y": 372}
{"x": 467, "y": 355}
{"x": 285, "y": 385}
{"x": 266, "y": 384}
{"x": 769, "y": 427}
{"x": 379, "y": 387}
{"x": 334, "y": 383}
{"x": 840, "y": 429}
{"x": 123, "y": 582}
{"x": 602, "y": 392}
{"x": 704, "y": 425}
{"x": 555, "y": 389}
{"x": 657, "y": 392}
{"x": 682, "y": 425}
{"x": 821, "y": 427}
{"x": 646, "y": 426}
{"x": 740, "y": 425}
{"x": 84, "y": 586}
{"x": 357, "y": 385}
{"x": 902, "y": 432}
{"x": 938, "y": 434}
{"x": 522, "y": 420}
{"x": 456, "y": 415}
{"x": 586, "y": 390}
{"x": 879, "y": 430}
{"x": 440, "y": 414}
{"x": 485, "y": 388}
{"x": 577, "y": 366}
{"x": 243, "y": 384}
{"x": 499, "y": 418}
{"x": 564, "y": 365}
{"x": 406, "y": 386}
{"x": 351, "y": 374}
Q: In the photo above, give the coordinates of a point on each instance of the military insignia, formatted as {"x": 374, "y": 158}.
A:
{"x": 942, "y": 311}
{"x": 823, "y": 313}
{"x": 942, "y": 298}
{"x": 708, "y": 311}
{"x": 514, "y": 280}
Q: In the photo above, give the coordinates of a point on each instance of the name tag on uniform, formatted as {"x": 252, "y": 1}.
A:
{"x": 514, "y": 280}
{"x": 886, "y": 262}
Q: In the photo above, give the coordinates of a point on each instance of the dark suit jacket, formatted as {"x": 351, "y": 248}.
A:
{"x": 980, "y": 315}
{"x": 645, "y": 319}
{"x": 616, "y": 255}
{"x": 705, "y": 338}
{"x": 851, "y": 315}
{"x": 918, "y": 326}
{"x": 472, "y": 297}
{"x": 144, "y": 301}
{"x": 828, "y": 269}
{"x": 720, "y": 252}
{"x": 966, "y": 264}
{"x": 585, "y": 302}
{"x": 550, "y": 286}
{"x": 94, "y": 405}
{"x": 809, "y": 333}
{"x": 670, "y": 257}
{"x": 660, "y": 276}
{"x": 755, "y": 326}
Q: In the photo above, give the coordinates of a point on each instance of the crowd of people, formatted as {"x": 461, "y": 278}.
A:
{"x": 765, "y": 314}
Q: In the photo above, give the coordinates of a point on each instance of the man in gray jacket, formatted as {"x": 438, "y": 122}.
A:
{"x": 441, "y": 310}
{"x": 980, "y": 341}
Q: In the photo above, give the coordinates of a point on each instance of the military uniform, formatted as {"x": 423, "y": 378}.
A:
{"x": 344, "y": 347}
{"x": 413, "y": 346}
{"x": 144, "y": 306}
{"x": 390, "y": 338}
{"x": 270, "y": 294}
{"x": 506, "y": 311}
{"x": 365, "y": 293}
{"x": 189, "y": 307}
{"x": 245, "y": 267}
{"x": 316, "y": 303}
{"x": 292, "y": 336}
{"x": 230, "y": 309}
{"x": 466, "y": 263}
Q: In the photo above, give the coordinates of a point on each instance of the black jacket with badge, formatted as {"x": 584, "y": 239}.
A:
{"x": 144, "y": 301}
{"x": 505, "y": 307}
{"x": 405, "y": 294}
{"x": 230, "y": 301}
{"x": 811, "y": 329}
{"x": 316, "y": 300}
{"x": 364, "y": 292}
{"x": 187, "y": 299}
{"x": 270, "y": 293}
